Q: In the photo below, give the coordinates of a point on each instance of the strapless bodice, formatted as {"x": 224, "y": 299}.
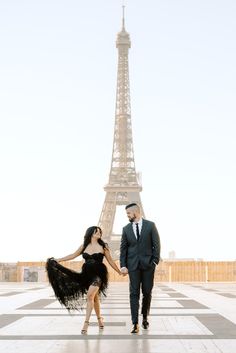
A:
{"x": 95, "y": 257}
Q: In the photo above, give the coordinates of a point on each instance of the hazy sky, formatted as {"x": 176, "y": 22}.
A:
{"x": 58, "y": 65}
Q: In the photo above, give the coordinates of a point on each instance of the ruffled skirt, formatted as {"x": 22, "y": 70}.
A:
{"x": 70, "y": 287}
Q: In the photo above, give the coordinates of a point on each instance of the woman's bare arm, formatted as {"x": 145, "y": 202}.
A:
{"x": 71, "y": 256}
{"x": 110, "y": 260}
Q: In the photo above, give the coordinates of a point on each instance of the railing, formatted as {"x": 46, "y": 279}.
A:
{"x": 166, "y": 271}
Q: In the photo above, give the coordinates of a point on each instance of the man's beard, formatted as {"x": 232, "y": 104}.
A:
{"x": 132, "y": 219}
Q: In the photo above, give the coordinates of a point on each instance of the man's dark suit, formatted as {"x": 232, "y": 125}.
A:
{"x": 141, "y": 258}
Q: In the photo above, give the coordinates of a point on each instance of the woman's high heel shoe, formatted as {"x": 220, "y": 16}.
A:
{"x": 84, "y": 330}
{"x": 100, "y": 323}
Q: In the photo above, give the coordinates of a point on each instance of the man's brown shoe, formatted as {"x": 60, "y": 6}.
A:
{"x": 135, "y": 328}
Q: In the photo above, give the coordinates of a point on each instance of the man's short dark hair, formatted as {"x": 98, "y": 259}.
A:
{"x": 131, "y": 205}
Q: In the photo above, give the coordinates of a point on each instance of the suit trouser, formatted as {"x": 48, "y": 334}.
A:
{"x": 144, "y": 279}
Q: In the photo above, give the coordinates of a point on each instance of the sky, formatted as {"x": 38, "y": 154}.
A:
{"x": 58, "y": 67}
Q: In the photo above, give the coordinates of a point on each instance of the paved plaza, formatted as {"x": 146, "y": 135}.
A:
{"x": 190, "y": 317}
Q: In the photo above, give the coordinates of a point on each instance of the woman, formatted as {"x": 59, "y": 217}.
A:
{"x": 71, "y": 287}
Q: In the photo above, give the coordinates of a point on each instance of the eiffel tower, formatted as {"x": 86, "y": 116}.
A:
{"x": 123, "y": 186}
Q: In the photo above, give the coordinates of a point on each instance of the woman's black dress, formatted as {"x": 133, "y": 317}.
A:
{"x": 70, "y": 287}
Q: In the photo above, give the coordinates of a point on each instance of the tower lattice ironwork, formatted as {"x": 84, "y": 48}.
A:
{"x": 123, "y": 186}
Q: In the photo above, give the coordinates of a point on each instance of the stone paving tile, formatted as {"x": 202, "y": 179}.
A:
{"x": 180, "y": 321}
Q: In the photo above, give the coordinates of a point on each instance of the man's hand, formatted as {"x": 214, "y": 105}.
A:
{"x": 124, "y": 271}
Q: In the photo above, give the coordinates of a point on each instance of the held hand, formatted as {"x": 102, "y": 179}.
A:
{"x": 124, "y": 271}
{"x": 120, "y": 273}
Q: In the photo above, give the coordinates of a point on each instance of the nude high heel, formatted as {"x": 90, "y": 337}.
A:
{"x": 84, "y": 331}
{"x": 100, "y": 323}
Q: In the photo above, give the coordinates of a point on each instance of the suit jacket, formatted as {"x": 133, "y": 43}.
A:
{"x": 142, "y": 254}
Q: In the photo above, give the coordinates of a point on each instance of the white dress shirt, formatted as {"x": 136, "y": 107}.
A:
{"x": 140, "y": 223}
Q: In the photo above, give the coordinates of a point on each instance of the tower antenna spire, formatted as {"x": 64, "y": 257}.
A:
{"x": 123, "y": 17}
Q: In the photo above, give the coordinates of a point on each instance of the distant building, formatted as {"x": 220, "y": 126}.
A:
{"x": 172, "y": 255}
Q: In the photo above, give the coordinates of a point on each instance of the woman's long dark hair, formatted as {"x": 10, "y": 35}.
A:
{"x": 88, "y": 235}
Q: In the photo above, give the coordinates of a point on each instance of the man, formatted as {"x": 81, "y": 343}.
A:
{"x": 139, "y": 255}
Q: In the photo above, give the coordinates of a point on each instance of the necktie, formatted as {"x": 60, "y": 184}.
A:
{"x": 137, "y": 231}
